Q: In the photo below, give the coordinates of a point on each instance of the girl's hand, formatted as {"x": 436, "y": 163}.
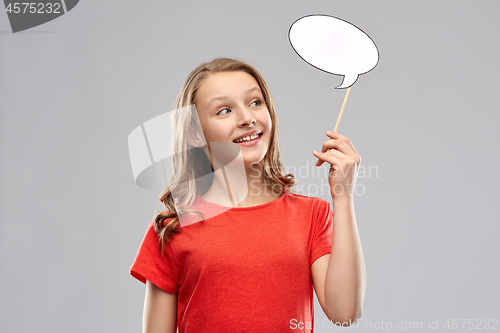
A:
{"x": 344, "y": 164}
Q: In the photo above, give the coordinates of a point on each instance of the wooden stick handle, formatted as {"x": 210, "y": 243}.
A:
{"x": 342, "y": 109}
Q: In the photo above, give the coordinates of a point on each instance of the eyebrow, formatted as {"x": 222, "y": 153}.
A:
{"x": 224, "y": 97}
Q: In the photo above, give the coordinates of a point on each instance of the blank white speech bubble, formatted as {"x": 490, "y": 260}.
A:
{"x": 334, "y": 46}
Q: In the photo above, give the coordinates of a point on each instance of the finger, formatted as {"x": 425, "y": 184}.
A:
{"x": 339, "y": 145}
{"x": 336, "y": 135}
{"x": 322, "y": 157}
{"x": 332, "y": 151}
{"x": 350, "y": 150}
{"x": 327, "y": 157}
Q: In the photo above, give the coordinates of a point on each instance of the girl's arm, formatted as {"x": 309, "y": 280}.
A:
{"x": 340, "y": 278}
{"x": 160, "y": 310}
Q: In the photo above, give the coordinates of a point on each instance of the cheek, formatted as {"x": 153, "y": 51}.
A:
{"x": 208, "y": 130}
{"x": 268, "y": 123}
{"x": 218, "y": 132}
{"x": 268, "y": 127}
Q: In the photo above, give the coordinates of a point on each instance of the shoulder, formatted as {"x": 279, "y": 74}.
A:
{"x": 306, "y": 201}
{"x": 317, "y": 209}
{"x": 165, "y": 221}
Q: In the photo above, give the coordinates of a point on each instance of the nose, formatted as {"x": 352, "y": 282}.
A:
{"x": 246, "y": 117}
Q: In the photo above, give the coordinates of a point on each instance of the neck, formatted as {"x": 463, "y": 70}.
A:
{"x": 235, "y": 186}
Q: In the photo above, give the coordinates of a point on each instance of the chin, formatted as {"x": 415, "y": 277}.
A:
{"x": 251, "y": 161}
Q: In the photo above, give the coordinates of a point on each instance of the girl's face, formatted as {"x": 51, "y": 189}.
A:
{"x": 230, "y": 105}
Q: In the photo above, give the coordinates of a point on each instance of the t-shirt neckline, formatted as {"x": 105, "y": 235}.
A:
{"x": 244, "y": 208}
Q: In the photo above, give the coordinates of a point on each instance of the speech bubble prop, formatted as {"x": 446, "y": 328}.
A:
{"x": 151, "y": 148}
{"x": 334, "y": 46}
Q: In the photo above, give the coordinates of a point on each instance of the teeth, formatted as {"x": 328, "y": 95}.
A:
{"x": 247, "y": 138}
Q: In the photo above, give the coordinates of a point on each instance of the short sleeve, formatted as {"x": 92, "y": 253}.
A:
{"x": 150, "y": 264}
{"x": 322, "y": 230}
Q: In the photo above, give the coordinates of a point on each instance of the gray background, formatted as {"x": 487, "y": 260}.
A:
{"x": 426, "y": 118}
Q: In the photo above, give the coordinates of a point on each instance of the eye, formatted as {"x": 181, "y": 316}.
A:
{"x": 256, "y": 101}
{"x": 223, "y": 110}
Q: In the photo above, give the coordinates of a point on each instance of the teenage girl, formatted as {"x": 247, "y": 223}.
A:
{"x": 252, "y": 267}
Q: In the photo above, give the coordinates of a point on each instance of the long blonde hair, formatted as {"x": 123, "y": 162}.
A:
{"x": 184, "y": 171}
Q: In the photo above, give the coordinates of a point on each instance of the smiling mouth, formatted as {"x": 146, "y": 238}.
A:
{"x": 248, "y": 138}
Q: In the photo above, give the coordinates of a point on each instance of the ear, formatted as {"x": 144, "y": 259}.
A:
{"x": 195, "y": 138}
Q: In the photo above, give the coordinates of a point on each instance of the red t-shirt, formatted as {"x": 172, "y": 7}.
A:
{"x": 245, "y": 270}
